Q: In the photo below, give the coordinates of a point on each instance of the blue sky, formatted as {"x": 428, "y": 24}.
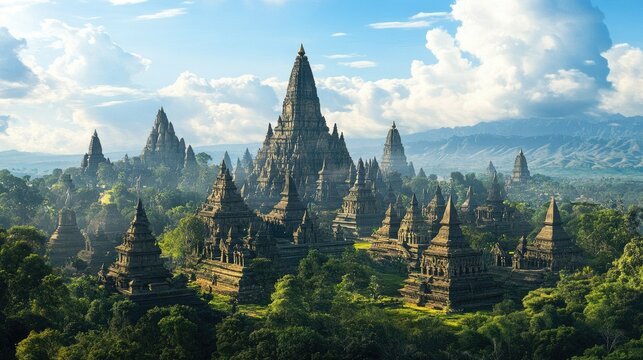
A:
{"x": 219, "y": 66}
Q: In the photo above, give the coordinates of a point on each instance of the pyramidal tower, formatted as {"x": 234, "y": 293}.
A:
{"x": 299, "y": 142}
{"x": 553, "y": 248}
{"x": 93, "y": 157}
{"x": 521, "y": 171}
{"x": 67, "y": 240}
{"x": 394, "y": 159}
{"x": 163, "y": 147}
{"x": 139, "y": 272}
{"x": 452, "y": 275}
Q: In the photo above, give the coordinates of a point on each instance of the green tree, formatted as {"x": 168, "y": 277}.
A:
{"x": 185, "y": 241}
{"x": 40, "y": 345}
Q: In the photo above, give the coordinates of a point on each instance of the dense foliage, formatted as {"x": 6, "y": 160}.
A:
{"x": 330, "y": 308}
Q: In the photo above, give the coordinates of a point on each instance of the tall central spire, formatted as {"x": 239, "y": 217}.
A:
{"x": 301, "y": 105}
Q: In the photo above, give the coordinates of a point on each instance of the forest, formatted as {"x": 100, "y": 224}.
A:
{"x": 344, "y": 307}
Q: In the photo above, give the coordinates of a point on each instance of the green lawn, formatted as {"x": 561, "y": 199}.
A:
{"x": 362, "y": 245}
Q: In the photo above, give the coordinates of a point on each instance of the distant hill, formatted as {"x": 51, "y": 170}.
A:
{"x": 585, "y": 145}
{"x": 600, "y": 146}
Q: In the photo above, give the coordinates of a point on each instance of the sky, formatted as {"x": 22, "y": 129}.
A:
{"x": 219, "y": 67}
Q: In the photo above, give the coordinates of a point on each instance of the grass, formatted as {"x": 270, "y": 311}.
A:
{"x": 411, "y": 311}
{"x": 362, "y": 245}
{"x": 253, "y": 310}
{"x": 390, "y": 283}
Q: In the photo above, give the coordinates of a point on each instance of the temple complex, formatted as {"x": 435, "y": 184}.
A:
{"x": 452, "y": 275}
{"x": 163, "y": 147}
{"x": 359, "y": 214}
{"x": 553, "y": 249}
{"x": 139, "y": 272}
{"x": 300, "y": 142}
{"x": 289, "y": 211}
{"x": 238, "y": 236}
{"x": 434, "y": 211}
{"x": 394, "y": 159}
{"x": 66, "y": 241}
{"x": 104, "y": 232}
{"x": 468, "y": 208}
{"x": 94, "y": 157}
{"x": 521, "y": 171}
{"x": 414, "y": 233}
{"x": 496, "y": 217}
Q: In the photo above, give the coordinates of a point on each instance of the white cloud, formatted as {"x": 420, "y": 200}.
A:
{"x": 226, "y": 110}
{"x": 362, "y": 64}
{"x": 626, "y": 75}
{"x": 90, "y": 57}
{"x": 318, "y": 67}
{"x": 342, "y": 56}
{"x": 16, "y": 79}
{"x": 87, "y": 85}
{"x": 519, "y": 59}
{"x": 338, "y": 34}
{"x": 126, "y": 2}
{"x": 400, "y": 24}
{"x": 424, "y": 15}
{"x": 163, "y": 14}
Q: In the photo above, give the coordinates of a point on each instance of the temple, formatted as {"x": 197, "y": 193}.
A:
{"x": 553, "y": 249}
{"x": 491, "y": 170}
{"x": 468, "y": 208}
{"x": 327, "y": 193}
{"x": 139, "y": 272}
{"x": 434, "y": 211}
{"x": 300, "y": 142}
{"x": 239, "y": 237}
{"x": 495, "y": 216}
{"x": 452, "y": 275}
{"x": 66, "y": 241}
{"x": 163, "y": 147}
{"x": 189, "y": 164}
{"x": 520, "y": 171}
{"x": 104, "y": 232}
{"x": 94, "y": 157}
{"x": 359, "y": 214}
{"x": 394, "y": 159}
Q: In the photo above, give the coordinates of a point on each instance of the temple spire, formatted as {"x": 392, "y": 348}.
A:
{"x": 450, "y": 214}
{"x": 494, "y": 190}
{"x": 553, "y": 215}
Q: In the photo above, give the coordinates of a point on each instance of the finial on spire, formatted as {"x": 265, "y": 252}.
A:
{"x": 301, "y": 51}
{"x": 95, "y": 133}
{"x": 394, "y": 127}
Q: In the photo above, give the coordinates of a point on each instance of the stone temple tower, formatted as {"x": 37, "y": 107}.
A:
{"x": 521, "y": 171}
{"x": 394, "y": 159}
{"x": 67, "y": 240}
{"x": 452, "y": 275}
{"x": 163, "y": 147}
{"x": 299, "y": 143}
{"x": 93, "y": 157}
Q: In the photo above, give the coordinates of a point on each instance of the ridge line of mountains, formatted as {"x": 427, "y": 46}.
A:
{"x": 598, "y": 145}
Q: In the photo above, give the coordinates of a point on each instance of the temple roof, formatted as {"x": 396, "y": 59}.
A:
{"x": 494, "y": 190}
{"x": 469, "y": 202}
{"x": 449, "y": 239}
{"x": 95, "y": 147}
{"x": 301, "y": 87}
{"x": 553, "y": 215}
{"x": 140, "y": 224}
{"x": 552, "y": 235}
